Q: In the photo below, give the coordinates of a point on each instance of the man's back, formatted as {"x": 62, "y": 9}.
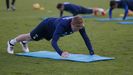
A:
{"x": 75, "y": 9}
{"x": 55, "y": 25}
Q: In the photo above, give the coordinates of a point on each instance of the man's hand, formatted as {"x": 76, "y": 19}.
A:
{"x": 65, "y": 54}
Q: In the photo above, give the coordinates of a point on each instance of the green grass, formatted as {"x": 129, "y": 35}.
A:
{"x": 108, "y": 39}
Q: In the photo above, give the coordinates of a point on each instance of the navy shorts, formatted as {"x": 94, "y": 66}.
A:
{"x": 41, "y": 31}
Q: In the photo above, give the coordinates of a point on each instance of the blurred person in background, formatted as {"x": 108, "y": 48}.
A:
{"x": 77, "y": 9}
{"x": 127, "y": 5}
{"x": 10, "y": 6}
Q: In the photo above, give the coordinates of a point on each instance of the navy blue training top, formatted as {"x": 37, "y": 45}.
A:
{"x": 62, "y": 27}
{"x": 72, "y": 8}
{"x": 124, "y": 4}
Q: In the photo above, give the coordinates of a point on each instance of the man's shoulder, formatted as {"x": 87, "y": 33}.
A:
{"x": 64, "y": 22}
{"x": 67, "y": 17}
{"x": 66, "y": 3}
{"x": 64, "y": 19}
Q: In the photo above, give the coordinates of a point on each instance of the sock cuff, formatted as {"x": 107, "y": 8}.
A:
{"x": 10, "y": 43}
{"x": 13, "y": 41}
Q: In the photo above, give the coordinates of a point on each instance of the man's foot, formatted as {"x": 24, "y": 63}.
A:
{"x": 103, "y": 13}
{"x": 8, "y": 9}
{"x": 99, "y": 11}
{"x": 13, "y": 7}
{"x": 24, "y": 47}
{"x": 10, "y": 49}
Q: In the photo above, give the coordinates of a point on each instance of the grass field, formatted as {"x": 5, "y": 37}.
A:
{"x": 108, "y": 39}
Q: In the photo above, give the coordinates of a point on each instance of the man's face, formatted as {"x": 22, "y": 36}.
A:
{"x": 62, "y": 8}
{"x": 76, "y": 27}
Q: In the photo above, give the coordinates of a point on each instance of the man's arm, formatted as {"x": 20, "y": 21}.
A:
{"x": 59, "y": 30}
{"x": 86, "y": 40}
{"x": 126, "y": 12}
{"x": 61, "y": 13}
{"x": 55, "y": 45}
{"x": 110, "y": 12}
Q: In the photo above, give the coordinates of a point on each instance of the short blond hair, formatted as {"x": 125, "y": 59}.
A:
{"x": 78, "y": 21}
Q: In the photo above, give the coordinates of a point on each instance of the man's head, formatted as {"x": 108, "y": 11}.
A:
{"x": 60, "y": 6}
{"x": 113, "y": 4}
{"x": 77, "y": 23}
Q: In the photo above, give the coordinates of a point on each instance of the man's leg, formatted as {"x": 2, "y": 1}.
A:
{"x": 20, "y": 38}
{"x": 93, "y": 11}
{"x": 7, "y": 4}
{"x": 13, "y": 5}
{"x": 13, "y": 2}
{"x": 86, "y": 10}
